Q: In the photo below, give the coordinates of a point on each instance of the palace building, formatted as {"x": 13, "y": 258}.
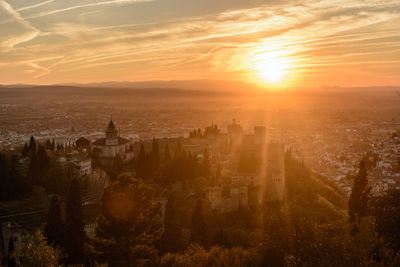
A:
{"x": 112, "y": 145}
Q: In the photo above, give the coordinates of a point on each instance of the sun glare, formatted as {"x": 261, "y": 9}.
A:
{"x": 272, "y": 66}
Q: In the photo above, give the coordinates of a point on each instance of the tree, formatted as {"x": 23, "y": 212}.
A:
{"x": 32, "y": 146}
{"x": 359, "y": 195}
{"x": 220, "y": 238}
{"x": 55, "y": 179}
{"x": 11, "y": 257}
{"x": 36, "y": 252}
{"x": 155, "y": 155}
{"x": 178, "y": 149}
{"x": 55, "y": 226}
{"x": 39, "y": 165}
{"x": 173, "y": 238}
{"x": 198, "y": 229}
{"x": 25, "y": 151}
{"x": 196, "y": 255}
{"x": 167, "y": 153}
{"x": 14, "y": 176}
{"x": 116, "y": 168}
{"x": 75, "y": 237}
{"x": 386, "y": 210}
{"x": 206, "y": 163}
{"x": 128, "y": 225}
{"x": 141, "y": 163}
{"x": 53, "y": 146}
{"x": 6, "y": 188}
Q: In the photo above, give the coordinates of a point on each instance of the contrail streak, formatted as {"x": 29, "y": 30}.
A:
{"x": 34, "y": 6}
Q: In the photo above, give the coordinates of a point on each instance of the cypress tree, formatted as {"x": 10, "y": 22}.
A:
{"x": 167, "y": 154}
{"x": 54, "y": 229}
{"x": 206, "y": 163}
{"x": 359, "y": 195}
{"x": 48, "y": 144}
{"x": 155, "y": 153}
{"x": 39, "y": 165}
{"x": 178, "y": 149}
{"x": 141, "y": 163}
{"x": 32, "y": 146}
{"x": 6, "y": 185}
{"x": 25, "y": 151}
{"x": 11, "y": 253}
{"x": 55, "y": 179}
{"x": 17, "y": 182}
{"x": 117, "y": 167}
{"x": 386, "y": 210}
{"x": 172, "y": 239}
{"x": 198, "y": 229}
{"x": 129, "y": 224}
{"x": 220, "y": 238}
{"x": 75, "y": 237}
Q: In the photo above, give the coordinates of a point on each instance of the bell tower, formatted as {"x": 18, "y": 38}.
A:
{"x": 111, "y": 134}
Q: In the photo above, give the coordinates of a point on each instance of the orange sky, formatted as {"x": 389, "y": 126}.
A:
{"x": 282, "y": 43}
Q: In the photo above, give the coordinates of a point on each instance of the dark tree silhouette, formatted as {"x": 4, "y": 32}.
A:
{"x": 141, "y": 163}
{"x": 55, "y": 179}
{"x": 55, "y": 226}
{"x": 155, "y": 156}
{"x": 129, "y": 224}
{"x": 6, "y": 188}
{"x": 386, "y": 210}
{"x": 359, "y": 195}
{"x": 75, "y": 235}
{"x": 25, "y": 151}
{"x": 11, "y": 262}
{"x": 172, "y": 239}
{"x": 198, "y": 228}
{"x": 178, "y": 149}
{"x": 206, "y": 166}
{"x": 39, "y": 165}
{"x": 167, "y": 153}
{"x": 32, "y": 146}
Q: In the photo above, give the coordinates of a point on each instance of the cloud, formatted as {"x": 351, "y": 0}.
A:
{"x": 95, "y": 4}
{"x": 314, "y": 35}
{"x": 28, "y": 31}
{"x": 34, "y": 6}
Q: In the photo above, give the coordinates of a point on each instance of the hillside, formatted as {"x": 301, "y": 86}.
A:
{"x": 313, "y": 196}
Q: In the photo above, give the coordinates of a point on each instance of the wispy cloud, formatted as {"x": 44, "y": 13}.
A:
{"x": 34, "y": 6}
{"x": 95, "y": 4}
{"x": 30, "y": 31}
{"x": 314, "y": 35}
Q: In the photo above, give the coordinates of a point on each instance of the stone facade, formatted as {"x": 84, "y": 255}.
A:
{"x": 112, "y": 145}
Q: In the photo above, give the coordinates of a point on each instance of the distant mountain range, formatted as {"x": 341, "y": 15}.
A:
{"x": 173, "y": 84}
{"x": 198, "y": 85}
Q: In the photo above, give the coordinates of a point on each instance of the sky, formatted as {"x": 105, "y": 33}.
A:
{"x": 279, "y": 43}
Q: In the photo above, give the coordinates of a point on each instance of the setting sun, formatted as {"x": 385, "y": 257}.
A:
{"x": 271, "y": 66}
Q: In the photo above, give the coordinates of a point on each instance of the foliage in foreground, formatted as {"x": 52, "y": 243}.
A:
{"x": 128, "y": 226}
{"x": 36, "y": 252}
{"x": 196, "y": 255}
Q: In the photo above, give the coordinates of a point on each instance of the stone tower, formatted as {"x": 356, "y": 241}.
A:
{"x": 111, "y": 135}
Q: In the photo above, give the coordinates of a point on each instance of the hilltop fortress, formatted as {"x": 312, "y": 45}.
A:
{"x": 251, "y": 169}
